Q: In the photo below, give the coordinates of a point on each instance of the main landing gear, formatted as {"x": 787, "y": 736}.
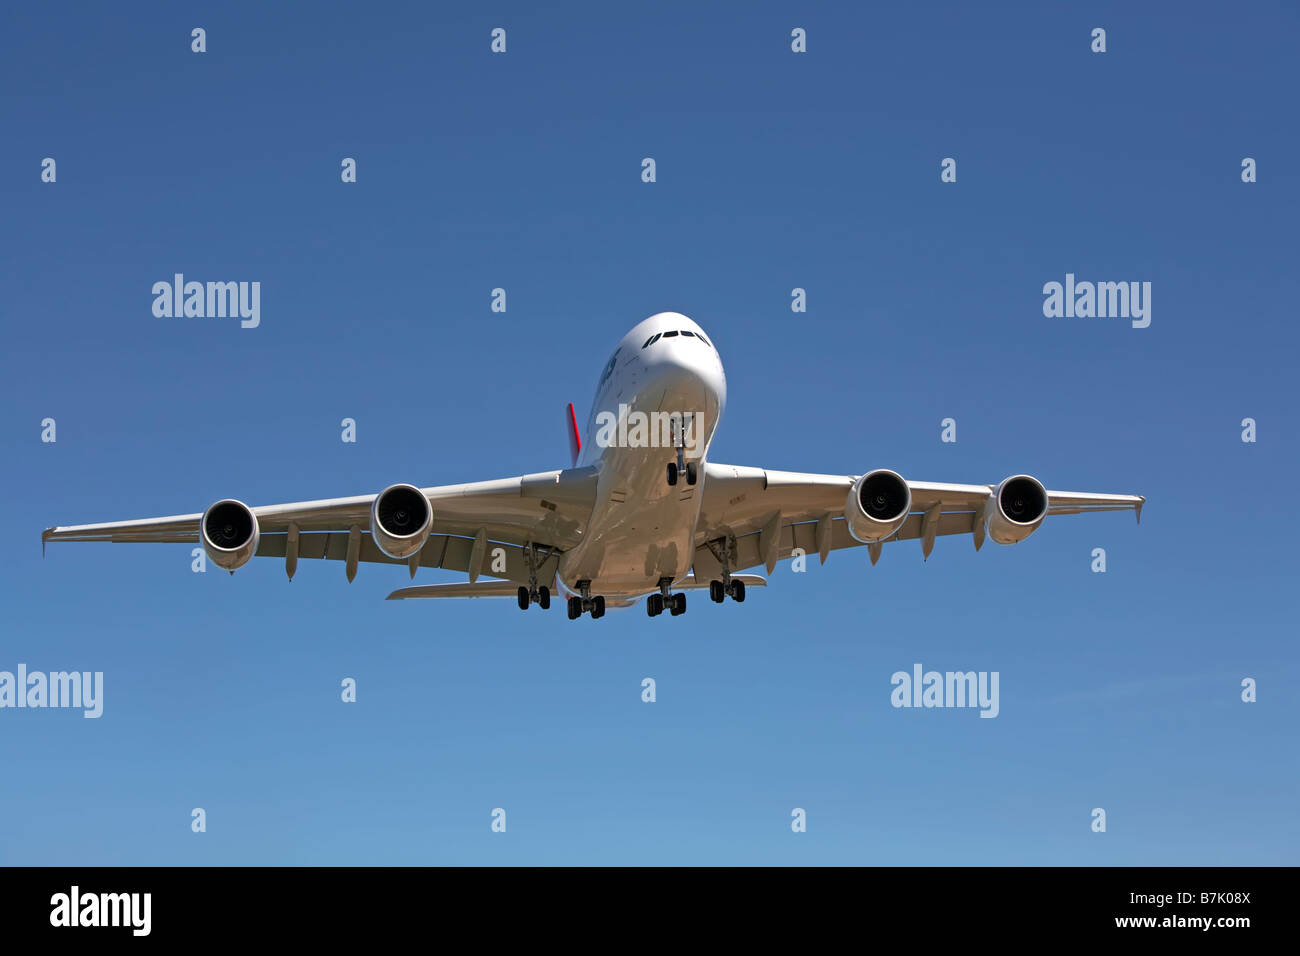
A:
{"x": 722, "y": 549}
{"x": 579, "y": 605}
{"x": 719, "y": 590}
{"x": 656, "y": 604}
{"x": 541, "y": 596}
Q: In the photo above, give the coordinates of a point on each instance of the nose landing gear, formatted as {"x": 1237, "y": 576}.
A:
{"x": 681, "y": 466}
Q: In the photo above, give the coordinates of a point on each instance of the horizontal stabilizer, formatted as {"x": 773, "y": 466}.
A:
{"x": 750, "y": 580}
{"x": 480, "y": 589}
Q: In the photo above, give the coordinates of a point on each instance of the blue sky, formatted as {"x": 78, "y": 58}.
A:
{"x": 775, "y": 170}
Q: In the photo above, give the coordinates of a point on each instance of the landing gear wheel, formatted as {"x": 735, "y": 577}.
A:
{"x": 523, "y": 598}
{"x": 575, "y": 608}
{"x": 738, "y": 591}
{"x": 672, "y": 473}
{"x": 598, "y": 606}
{"x": 679, "y": 604}
{"x": 544, "y": 598}
{"x": 654, "y": 605}
{"x": 716, "y": 594}
{"x": 692, "y": 473}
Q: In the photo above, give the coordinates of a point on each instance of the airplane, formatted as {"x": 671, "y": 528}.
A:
{"x": 642, "y": 512}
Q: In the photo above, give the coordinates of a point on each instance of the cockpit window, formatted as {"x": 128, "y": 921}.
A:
{"x": 609, "y": 369}
{"x": 668, "y": 335}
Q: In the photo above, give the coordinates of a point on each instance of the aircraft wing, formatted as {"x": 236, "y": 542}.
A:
{"x": 768, "y": 514}
{"x": 470, "y": 521}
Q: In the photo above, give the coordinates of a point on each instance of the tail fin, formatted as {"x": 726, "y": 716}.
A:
{"x": 575, "y": 440}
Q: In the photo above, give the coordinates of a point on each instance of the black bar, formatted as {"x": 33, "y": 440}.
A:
{"x": 331, "y": 905}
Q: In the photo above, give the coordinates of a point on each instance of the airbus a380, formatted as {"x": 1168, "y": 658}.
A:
{"x": 642, "y": 512}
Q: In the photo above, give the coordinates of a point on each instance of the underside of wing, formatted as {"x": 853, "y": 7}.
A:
{"x": 510, "y": 528}
{"x": 752, "y": 516}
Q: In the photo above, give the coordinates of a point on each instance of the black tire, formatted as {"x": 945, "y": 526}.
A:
{"x": 692, "y": 472}
{"x": 654, "y": 605}
{"x": 679, "y": 604}
{"x": 672, "y": 473}
{"x": 598, "y": 607}
{"x": 738, "y": 591}
{"x": 716, "y": 594}
{"x": 544, "y": 598}
{"x": 523, "y": 598}
{"x": 575, "y": 608}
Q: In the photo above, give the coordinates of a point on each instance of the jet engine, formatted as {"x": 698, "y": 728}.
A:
{"x": 1016, "y": 508}
{"x": 400, "y": 520}
{"x": 229, "y": 532}
{"x": 877, "y": 505}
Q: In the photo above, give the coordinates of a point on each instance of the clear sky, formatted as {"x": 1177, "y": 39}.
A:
{"x": 775, "y": 170}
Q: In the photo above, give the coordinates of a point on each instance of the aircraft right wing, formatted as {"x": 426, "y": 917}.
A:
{"x": 469, "y": 522}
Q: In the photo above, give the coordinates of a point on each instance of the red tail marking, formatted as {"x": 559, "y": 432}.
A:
{"x": 575, "y": 439}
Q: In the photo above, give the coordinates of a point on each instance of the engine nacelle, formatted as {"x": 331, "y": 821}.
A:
{"x": 229, "y": 532}
{"x": 878, "y": 504}
{"x": 1016, "y": 508}
{"x": 400, "y": 520}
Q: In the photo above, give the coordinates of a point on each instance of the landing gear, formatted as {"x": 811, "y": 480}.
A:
{"x": 719, "y": 590}
{"x": 579, "y": 605}
{"x": 539, "y": 596}
{"x": 691, "y": 469}
{"x": 681, "y": 466}
{"x": 656, "y": 604}
{"x": 532, "y": 594}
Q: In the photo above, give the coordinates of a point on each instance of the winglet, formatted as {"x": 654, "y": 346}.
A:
{"x": 1138, "y": 509}
{"x": 575, "y": 439}
{"x": 45, "y": 536}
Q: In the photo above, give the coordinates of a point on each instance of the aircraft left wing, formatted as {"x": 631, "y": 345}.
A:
{"x": 766, "y": 515}
{"x": 469, "y": 523}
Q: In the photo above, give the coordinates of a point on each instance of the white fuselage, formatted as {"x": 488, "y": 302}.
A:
{"x": 642, "y": 529}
